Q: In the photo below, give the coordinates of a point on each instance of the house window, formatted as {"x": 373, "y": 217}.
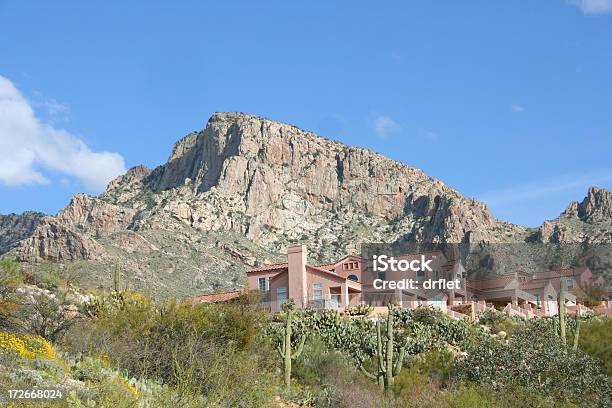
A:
{"x": 382, "y": 276}
{"x": 353, "y": 278}
{"x": 569, "y": 283}
{"x": 317, "y": 291}
{"x": 262, "y": 284}
{"x": 420, "y": 274}
{"x": 538, "y": 301}
{"x": 281, "y": 294}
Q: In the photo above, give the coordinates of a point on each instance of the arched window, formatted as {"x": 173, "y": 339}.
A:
{"x": 353, "y": 278}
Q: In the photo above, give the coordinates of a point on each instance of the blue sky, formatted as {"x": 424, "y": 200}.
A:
{"x": 508, "y": 102}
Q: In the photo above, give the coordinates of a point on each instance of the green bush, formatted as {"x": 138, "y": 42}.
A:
{"x": 210, "y": 350}
{"x": 498, "y": 321}
{"x": 10, "y": 279}
{"x": 477, "y": 396}
{"x": 596, "y": 340}
{"x": 534, "y": 359}
{"x": 422, "y": 379}
{"x": 317, "y": 362}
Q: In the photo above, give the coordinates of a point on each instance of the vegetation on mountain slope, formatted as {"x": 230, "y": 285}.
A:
{"x": 123, "y": 349}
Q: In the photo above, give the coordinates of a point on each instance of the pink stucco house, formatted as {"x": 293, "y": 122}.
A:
{"x": 537, "y": 292}
{"x": 338, "y": 284}
{"x": 329, "y": 286}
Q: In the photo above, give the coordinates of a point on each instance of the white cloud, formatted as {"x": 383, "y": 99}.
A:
{"x": 29, "y": 146}
{"x": 53, "y": 108}
{"x": 517, "y": 108}
{"x": 593, "y": 6}
{"x": 385, "y": 125}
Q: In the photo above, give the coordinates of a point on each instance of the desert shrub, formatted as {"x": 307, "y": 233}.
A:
{"x": 343, "y": 386}
{"x": 314, "y": 365}
{"x": 498, "y": 321}
{"x": 46, "y": 316}
{"x": 111, "y": 392}
{"x": 358, "y": 310}
{"x": 596, "y": 340}
{"x": 10, "y": 274}
{"x": 108, "y": 387}
{"x": 465, "y": 309}
{"x": 419, "y": 383}
{"x": 468, "y": 396}
{"x": 534, "y": 359}
{"x": 10, "y": 279}
{"x": 207, "y": 349}
{"x": 475, "y": 396}
{"x": 51, "y": 280}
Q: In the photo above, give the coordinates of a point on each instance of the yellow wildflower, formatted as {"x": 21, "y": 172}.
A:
{"x": 27, "y": 345}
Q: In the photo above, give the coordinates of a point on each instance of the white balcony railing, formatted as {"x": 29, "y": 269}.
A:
{"x": 332, "y": 301}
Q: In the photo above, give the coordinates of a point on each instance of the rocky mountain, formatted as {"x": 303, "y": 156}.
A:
{"x": 587, "y": 221}
{"x": 14, "y": 228}
{"x": 239, "y": 191}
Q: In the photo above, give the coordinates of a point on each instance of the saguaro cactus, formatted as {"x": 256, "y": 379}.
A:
{"x": 285, "y": 348}
{"x": 576, "y": 332}
{"x": 561, "y": 301}
{"x": 117, "y": 279}
{"x": 389, "y": 362}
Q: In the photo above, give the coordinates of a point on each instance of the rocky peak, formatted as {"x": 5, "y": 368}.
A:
{"x": 596, "y": 206}
{"x": 54, "y": 241}
{"x": 275, "y": 168}
{"x": 122, "y": 189}
{"x": 15, "y": 227}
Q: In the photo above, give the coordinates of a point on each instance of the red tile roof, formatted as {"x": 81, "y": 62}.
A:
{"x": 269, "y": 267}
{"x": 559, "y": 273}
{"x": 218, "y": 297}
{"x": 319, "y": 269}
{"x": 326, "y": 271}
{"x": 533, "y": 285}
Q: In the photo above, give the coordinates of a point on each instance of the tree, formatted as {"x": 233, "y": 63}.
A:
{"x": 47, "y": 317}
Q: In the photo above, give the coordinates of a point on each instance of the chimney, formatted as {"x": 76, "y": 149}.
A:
{"x": 296, "y": 258}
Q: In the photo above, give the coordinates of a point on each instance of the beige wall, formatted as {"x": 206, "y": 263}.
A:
{"x": 353, "y": 267}
{"x": 327, "y": 281}
{"x": 281, "y": 282}
{"x": 253, "y": 278}
{"x": 329, "y": 284}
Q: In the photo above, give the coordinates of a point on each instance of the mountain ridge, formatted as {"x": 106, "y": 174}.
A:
{"x": 239, "y": 191}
